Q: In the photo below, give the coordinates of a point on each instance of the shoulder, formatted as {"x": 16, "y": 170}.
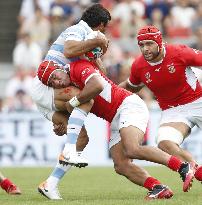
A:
{"x": 176, "y": 47}
{"x": 175, "y": 51}
{"x": 75, "y": 29}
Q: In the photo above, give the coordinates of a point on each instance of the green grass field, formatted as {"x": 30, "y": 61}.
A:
{"x": 95, "y": 186}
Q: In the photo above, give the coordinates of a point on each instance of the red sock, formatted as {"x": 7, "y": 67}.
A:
{"x": 150, "y": 182}
{"x": 198, "y": 173}
{"x": 174, "y": 163}
{"x": 5, "y": 184}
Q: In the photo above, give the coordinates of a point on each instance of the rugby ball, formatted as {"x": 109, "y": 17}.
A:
{"x": 96, "y": 52}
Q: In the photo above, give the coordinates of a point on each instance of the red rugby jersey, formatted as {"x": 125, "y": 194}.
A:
{"x": 109, "y": 100}
{"x": 172, "y": 81}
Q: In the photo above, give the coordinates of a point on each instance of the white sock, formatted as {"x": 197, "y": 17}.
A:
{"x": 57, "y": 174}
{"x": 75, "y": 123}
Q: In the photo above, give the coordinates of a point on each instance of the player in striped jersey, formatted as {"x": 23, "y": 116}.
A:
{"x": 70, "y": 46}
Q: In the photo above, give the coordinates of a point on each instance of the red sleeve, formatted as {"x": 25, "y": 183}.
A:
{"x": 81, "y": 71}
{"x": 134, "y": 78}
{"x": 190, "y": 56}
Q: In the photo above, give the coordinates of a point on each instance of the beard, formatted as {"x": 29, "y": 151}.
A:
{"x": 151, "y": 56}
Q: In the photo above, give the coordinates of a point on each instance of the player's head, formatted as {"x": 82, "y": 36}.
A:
{"x": 97, "y": 17}
{"x": 150, "y": 42}
{"x": 53, "y": 75}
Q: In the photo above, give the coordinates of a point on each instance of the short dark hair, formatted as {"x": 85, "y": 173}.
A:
{"x": 95, "y": 15}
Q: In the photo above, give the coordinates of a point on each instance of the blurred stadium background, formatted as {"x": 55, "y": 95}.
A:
{"x": 28, "y": 27}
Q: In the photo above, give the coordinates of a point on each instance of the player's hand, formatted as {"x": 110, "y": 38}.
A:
{"x": 104, "y": 42}
{"x": 60, "y": 129}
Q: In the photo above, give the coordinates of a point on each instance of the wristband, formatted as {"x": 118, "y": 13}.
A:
{"x": 74, "y": 102}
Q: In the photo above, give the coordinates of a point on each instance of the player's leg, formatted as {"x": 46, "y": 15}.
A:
{"x": 131, "y": 137}
{"x": 49, "y": 188}
{"x": 138, "y": 175}
{"x": 170, "y": 136}
{"x": 197, "y": 115}
{"x": 75, "y": 123}
{"x": 8, "y": 186}
{"x": 60, "y": 118}
{"x": 132, "y": 125}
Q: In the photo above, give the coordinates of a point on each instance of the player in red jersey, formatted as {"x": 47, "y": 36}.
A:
{"x": 128, "y": 116}
{"x": 166, "y": 70}
{"x": 8, "y": 186}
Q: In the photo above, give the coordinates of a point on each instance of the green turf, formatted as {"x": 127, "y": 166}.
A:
{"x": 95, "y": 186}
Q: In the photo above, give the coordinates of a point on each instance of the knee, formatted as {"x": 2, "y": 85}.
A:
{"x": 133, "y": 152}
{"x": 121, "y": 167}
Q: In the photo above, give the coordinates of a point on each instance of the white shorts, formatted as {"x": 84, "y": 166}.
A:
{"x": 190, "y": 114}
{"x": 43, "y": 96}
{"x": 133, "y": 111}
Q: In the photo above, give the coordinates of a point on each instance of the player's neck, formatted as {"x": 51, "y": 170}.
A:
{"x": 159, "y": 57}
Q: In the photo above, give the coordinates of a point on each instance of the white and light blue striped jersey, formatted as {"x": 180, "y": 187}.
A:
{"x": 77, "y": 32}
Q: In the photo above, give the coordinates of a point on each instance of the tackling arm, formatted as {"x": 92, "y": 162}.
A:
{"x": 93, "y": 87}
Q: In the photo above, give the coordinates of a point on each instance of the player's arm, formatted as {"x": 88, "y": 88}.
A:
{"x": 92, "y": 81}
{"x": 93, "y": 87}
{"x": 133, "y": 83}
{"x": 128, "y": 86}
{"x": 78, "y": 47}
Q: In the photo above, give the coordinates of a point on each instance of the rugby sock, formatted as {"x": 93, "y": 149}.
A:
{"x": 150, "y": 182}
{"x": 5, "y": 184}
{"x": 75, "y": 123}
{"x": 57, "y": 175}
{"x": 198, "y": 173}
{"x": 174, "y": 163}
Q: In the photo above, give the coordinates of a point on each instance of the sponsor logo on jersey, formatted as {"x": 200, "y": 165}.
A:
{"x": 158, "y": 69}
{"x": 84, "y": 72}
{"x": 148, "y": 77}
{"x": 171, "y": 68}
